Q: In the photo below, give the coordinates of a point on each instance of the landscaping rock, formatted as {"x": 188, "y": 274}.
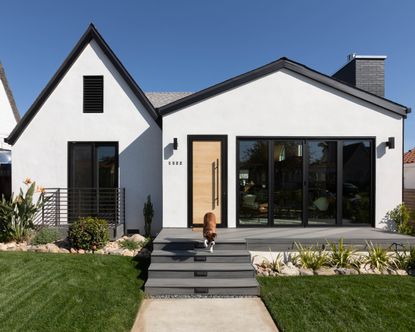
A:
{"x": 345, "y": 271}
{"x": 128, "y": 253}
{"x": 3, "y": 247}
{"x": 99, "y": 252}
{"x": 73, "y": 251}
{"x": 137, "y": 238}
{"x": 64, "y": 251}
{"x": 325, "y": 271}
{"x": 306, "y": 272}
{"x": 116, "y": 252}
{"x": 289, "y": 270}
{"x": 11, "y": 246}
{"x": 81, "y": 251}
{"x": 401, "y": 273}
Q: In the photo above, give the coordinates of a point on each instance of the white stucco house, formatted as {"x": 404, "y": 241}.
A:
{"x": 281, "y": 145}
{"x": 9, "y": 116}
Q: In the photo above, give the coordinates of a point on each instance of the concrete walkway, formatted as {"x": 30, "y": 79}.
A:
{"x": 199, "y": 315}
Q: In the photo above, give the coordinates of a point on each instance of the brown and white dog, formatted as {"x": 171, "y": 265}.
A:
{"x": 209, "y": 230}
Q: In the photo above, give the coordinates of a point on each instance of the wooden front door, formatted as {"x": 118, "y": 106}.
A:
{"x": 207, "y": 182}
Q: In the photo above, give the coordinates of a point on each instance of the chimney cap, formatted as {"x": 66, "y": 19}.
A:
{"x": 353, "y": 56}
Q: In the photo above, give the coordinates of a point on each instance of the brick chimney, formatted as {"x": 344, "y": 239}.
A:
{"x": 366, "y": 72}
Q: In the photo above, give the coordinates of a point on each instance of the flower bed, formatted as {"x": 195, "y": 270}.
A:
{"x": 340, "y": 260}
{"x": 64, "y": 247}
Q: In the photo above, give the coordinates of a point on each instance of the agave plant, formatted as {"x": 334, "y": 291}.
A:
{"x": 378, "y": 257}
{"x": 311, "y": 257}
{"x": 17, "y": 213}
{"x": 341, "y": 256}
{"x": 404, "y": 259}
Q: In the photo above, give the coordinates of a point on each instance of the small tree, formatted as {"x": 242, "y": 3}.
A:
{"x": 148, "y": 212}
{"x": 401, "y": 216}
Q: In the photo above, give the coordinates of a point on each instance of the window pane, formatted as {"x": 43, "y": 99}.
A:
{"x": 356, "y": 182}
{"x": 322, "y": 177}
{"x": 107, "y": 167}
{"x": 253, "y": 182}
{"x": 288, "y": 182}
{"x": 82, "y": 163}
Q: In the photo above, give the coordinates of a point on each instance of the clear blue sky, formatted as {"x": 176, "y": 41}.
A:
{"x": 189, "y": 45}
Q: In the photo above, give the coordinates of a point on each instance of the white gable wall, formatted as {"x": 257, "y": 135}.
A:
{"x": 7, "y": 119}
{"x": 279, "y": 104}
{"x": 41, "y": 152}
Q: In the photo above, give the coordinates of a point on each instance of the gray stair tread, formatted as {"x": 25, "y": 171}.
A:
{"x": 184, "y": 240}
{"x": 200, "y": 252}
{"x": 210, "y": 283}
{"x": 201, "y": 266}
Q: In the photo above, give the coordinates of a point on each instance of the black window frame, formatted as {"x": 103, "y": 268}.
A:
{"x": 88, "y": 107}
{"x": 339, "y": 194}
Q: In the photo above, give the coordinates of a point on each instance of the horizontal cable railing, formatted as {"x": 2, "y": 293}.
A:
{"x": 65, "y": 205}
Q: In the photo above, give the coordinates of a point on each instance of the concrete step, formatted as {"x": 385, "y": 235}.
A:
{"x": 184, "y": 286}
{"x": 192, "y": 244}
{"x": 201, "y": 270}
{"x": 200, "y": 255}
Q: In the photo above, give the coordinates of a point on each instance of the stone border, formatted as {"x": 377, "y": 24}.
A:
{"x": 64, "y": 247}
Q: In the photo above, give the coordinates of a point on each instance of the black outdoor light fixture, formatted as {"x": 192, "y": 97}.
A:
{"x": 175, "y": 144}
{"x": 391, "y": 142}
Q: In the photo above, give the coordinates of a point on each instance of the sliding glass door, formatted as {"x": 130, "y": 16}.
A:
{"x": 304, "y": 182}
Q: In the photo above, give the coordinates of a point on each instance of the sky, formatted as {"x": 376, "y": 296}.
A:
{"x": 188, "y": 45}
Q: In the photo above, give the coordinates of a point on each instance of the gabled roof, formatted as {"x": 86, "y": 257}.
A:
{"x": 90, "y": 34}
{"x": 409, "y": 157}
{"x": 9, "y": 93}
{"x": 284, "y": 63}
{"x": 159, "y": 99}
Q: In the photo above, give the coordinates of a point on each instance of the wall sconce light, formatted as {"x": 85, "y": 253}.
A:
{"x": 391, "y": 142}
{"x": 175, "y": 144}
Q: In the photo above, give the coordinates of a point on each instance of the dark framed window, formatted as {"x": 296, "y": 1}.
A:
{"x": 305, "y": 181}
{"x": 93, "y": 94}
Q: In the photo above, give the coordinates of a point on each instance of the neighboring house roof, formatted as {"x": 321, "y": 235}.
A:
{"x": 90, "y": 34}
{"x": 159, "y": 99}
{"x": 9, "y": 93}
{"x": 409, "y": 157}
{"x": 284, "y": 63}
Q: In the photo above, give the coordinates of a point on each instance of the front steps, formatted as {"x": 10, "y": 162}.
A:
{"x": 185, "y": 267}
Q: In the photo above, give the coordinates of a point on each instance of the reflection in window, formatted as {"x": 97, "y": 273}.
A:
{"x": 322, "y": 177}
{"x": 253, "y": 182}
{"x": 288, "y": 182}
{"x": 356, "y": 182}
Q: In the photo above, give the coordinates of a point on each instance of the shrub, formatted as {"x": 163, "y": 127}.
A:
{"x": 130, "y": 244}
{"x": 341, "y": 256}
{"x": 89, "y": 233}
{"x": 46, "y": 235}
{"x": 311, "y": 257}
{"x": 401, "y": 216}
{"x": 377, "y": 257}
{"x": 17, "y": 213}
{"x": 411, "y": 258}
{"x": 148, "y": 212}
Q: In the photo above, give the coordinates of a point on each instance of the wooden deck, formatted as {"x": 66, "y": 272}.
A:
{"x": 285, "y": 238}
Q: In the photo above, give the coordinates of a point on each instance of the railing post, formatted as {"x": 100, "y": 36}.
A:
{"x": 57, "y": 203}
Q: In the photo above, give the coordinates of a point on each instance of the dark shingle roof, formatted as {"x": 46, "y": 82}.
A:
{"x": 159, "y": 99}
{"x": 409, "y": 157}
{"x": 9, "y": 93}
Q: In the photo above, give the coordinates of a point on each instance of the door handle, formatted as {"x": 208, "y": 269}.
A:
{"x": 217, "y": 182}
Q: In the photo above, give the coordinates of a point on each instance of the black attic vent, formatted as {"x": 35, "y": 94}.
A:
{"x": 93, "y": 94}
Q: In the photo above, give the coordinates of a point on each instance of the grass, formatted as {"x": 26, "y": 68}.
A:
{"x": 62, "y": 292}
{"x": 341, "y": 303}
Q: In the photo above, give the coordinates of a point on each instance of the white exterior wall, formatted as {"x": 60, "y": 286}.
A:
{"x": 7, "y": 119}
{"x": 409, "y": 176}
{"x": 279, "y": 104}
{"x": 41, "y": 152}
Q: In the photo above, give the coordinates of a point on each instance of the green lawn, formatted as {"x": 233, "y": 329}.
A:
{"x": 62, "y": 292}
{"x": 341, "y": 303}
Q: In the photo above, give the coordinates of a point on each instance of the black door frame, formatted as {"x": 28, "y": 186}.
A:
{"x": 224, "y": 176}
{"x": 304, "y": 223}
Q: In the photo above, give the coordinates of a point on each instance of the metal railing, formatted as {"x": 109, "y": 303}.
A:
{"x": 65, "y": 205}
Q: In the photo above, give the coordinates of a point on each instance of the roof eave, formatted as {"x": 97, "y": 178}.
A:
{"x": 276, "y": 66}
